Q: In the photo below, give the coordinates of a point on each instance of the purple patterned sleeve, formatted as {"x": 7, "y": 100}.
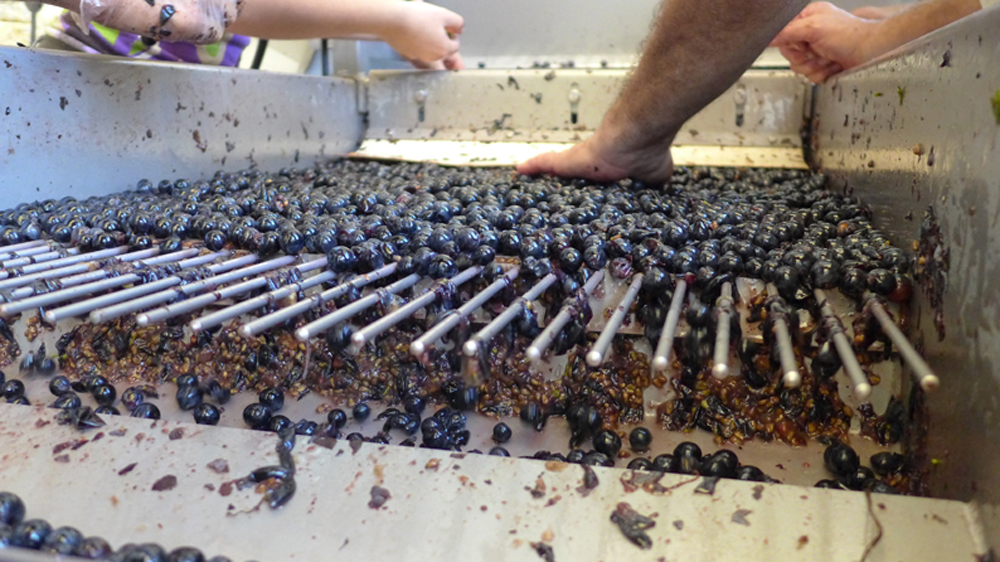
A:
{"x": 105, "y": 40}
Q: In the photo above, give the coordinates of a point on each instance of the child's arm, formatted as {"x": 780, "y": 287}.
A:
{"x": 880, "y": 12}
{"x": 424, "y": 33}
{"x": 824, "y": 39}
{"x": 419, "y": 31}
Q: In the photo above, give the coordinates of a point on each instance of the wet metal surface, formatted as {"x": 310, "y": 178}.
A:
{"x": 919, "y": 131}
{"x": 763, "y": 109}
{"x": 152, "y": 120}
{"x": 441, "y": 506}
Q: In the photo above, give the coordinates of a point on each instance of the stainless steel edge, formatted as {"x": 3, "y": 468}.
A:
{"x": 74, "y": 123}
{"x": 918, "y": 129}
{"x": 441, "y": 506}
{"x": 764, "y": 108}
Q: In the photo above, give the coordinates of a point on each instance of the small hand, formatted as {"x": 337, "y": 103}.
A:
{"x": 823, "y": 40}
{"x": 807, "y": 63}
{"x": 427, "y": 34}
{"x": 597, "y": 159}
{"x": 453, "y": 62}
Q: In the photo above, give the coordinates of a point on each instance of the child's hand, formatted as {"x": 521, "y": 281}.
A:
{"x": 454, "y": 62}
{"x": 824, "y": 40}
{"x": 196, "y": 21}
{"x": 427, "y": 35}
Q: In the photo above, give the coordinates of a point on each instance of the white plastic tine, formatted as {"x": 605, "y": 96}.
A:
{"x": 85, "y": 306}
{"x": 24, "y": 292}
{"x": 720, "y": 359}
{"x": 862, "y": 388}
{"x": 135, "y": 305}
{"x": 371, "y": 331}
{"x": 15, "y": 248}
{"x": 218, "y": 317}
{"x": 68, "y": 260}
{"x": 471, "y": 347}
{"x": 599, "y": 350}
{"x": 65, "y": 271}
{"x": 921, "y": 370}
{"x": 195, "y": 303}
{"x": 321, "y": 325}
{"x": 420, "y": 345}
{"x": 786, "y": 352}
{"x": 201, "y": 301}
{"x": 661, "y": 357}
{"x": 175, "y": 256}
{"x": 63, "y": 295}
{"x": 545, "y": 339}
{"x": 277, "y": 317}
{"x": 37, "y": 254}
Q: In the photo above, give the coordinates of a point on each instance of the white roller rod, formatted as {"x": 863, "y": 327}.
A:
{"x": 420, "y": 345}
{"x": 661, "y": 357}
{"x": 471, "y": 347}
{"x": 544, "y": 339}
{"x": 599, "y": 351}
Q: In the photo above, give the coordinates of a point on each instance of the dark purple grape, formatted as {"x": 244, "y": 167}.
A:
{"x": 501, "y": 433}
{"x": 881, "y": 281}
{"x": 11, "y": 509}
{"x": 686, "y": 458}
{"x": 722, "y": 463}
{"x": 256, "y": 415}
{"x": 841, "y": 459}
{"x": 207, "y": 414}
{"x": 640, "y": 463}
{"x": 886, "y": 463}
{"x": 607, "y": 441}
{"x": 640, "y": 439}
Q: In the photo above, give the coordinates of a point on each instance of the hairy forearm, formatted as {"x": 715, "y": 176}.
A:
{"x": 919, "y": 19}
{"x": 698, "y": 48}
{"x": 307, "y": 19}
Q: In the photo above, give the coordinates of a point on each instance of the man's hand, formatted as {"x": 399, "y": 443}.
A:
{"x": 454, "y": 62}
{"x": 427, "y": 35}
{"x": 599, "y": 160}
{"x": 823, "y": 40}
{"x": 695, "y": 52}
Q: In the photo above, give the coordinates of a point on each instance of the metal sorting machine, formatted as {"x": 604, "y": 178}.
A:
{"x": 914, "y": 136}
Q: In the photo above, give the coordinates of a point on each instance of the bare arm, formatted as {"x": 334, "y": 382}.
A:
{"x": 824, "y": 39}
{"x": 880, "y": 12}
{"x": 696, "y": 50}
{"x": 923, "y": 17}
{"x": 417, "y": 30}
{"x": 422, "y": 32}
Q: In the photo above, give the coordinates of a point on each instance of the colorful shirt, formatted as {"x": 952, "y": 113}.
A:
{"x": 107, "y": 41}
